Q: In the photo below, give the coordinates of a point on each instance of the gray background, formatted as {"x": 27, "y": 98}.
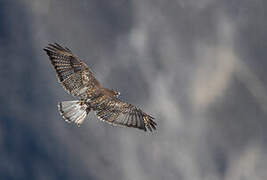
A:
{"x": 198, "y": 66}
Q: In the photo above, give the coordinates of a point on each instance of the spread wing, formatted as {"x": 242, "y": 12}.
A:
{"x": 117, "y": 112}
{"x": 72, "y": 73}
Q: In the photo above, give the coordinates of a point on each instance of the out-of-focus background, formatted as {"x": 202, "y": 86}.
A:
{"x": 198, "y": 66}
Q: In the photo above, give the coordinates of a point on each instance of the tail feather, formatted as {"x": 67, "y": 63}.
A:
{"x": 73, "y": 111}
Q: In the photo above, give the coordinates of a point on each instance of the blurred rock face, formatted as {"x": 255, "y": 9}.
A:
{"x": 198, "y": 67}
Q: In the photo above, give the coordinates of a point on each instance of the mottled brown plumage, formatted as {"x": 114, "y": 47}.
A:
{"x": 78, "y": 80}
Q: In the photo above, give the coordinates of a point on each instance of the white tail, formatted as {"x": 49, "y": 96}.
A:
{"x": 73, "y": 111}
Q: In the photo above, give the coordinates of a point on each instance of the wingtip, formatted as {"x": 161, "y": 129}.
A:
{"x": 149, "y": 123}
{"x": 46, "y": 50}
{"x": 149, "y": 128}
{"x": 57, "y": 47}
{"x": 153, "y": 125}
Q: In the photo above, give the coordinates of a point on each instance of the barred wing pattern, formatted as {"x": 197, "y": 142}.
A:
{"x": 117, "y": 112}
{"x": 73, "y": 74}
{"x": 79, "y": 81}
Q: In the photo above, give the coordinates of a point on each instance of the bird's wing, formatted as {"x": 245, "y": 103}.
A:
{"x": 74, "y": 75}
{"x": 117, "y": 112}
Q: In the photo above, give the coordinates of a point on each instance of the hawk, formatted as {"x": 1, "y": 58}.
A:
{"x": 79, "y": 81}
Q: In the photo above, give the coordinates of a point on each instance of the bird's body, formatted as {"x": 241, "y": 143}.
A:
{"x": 78, "y": 80}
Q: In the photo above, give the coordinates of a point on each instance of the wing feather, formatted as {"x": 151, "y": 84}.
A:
{"x": 74, "y": 75}
{"x": 118, "y": 112}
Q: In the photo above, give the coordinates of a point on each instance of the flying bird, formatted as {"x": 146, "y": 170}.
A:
{"x": 78, "y": 80}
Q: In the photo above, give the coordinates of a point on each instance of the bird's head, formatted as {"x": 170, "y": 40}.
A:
{"x": 116, "y": 93}
{"x": 111, "y": 92}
